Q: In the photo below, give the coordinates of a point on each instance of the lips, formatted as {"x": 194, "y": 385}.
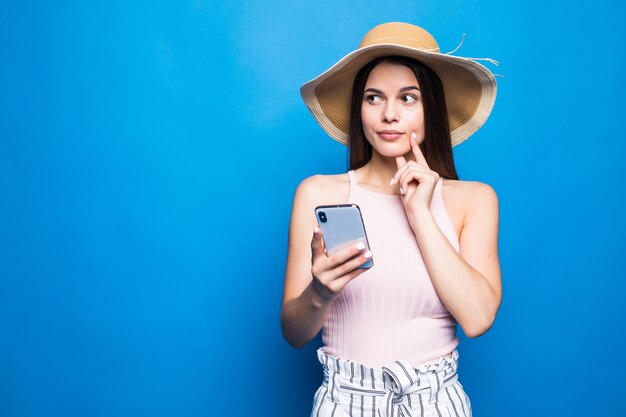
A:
{"x": 390, "y": 135}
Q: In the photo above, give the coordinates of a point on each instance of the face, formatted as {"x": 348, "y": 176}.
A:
{"x": 392, "y": 109}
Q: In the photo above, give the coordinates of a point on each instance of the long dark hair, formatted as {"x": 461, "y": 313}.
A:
{"x": 436, "y": 147}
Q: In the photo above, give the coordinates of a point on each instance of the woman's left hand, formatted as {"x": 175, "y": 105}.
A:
{"x": 417, "y": 182}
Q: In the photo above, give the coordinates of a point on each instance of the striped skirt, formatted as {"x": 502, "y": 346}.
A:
{"x": 397, "y": 390}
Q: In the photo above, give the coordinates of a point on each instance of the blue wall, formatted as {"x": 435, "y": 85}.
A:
{"x": 148, "y": 159}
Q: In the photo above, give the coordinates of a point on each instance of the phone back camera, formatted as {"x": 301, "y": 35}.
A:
{"x": 322, "y": 217}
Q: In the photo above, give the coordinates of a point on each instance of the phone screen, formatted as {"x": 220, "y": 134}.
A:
{"x": 342, "y": 225}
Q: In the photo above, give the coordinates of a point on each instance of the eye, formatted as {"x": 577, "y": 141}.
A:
{"x": 373, "y": 98}
{"x": 409, "y": 99}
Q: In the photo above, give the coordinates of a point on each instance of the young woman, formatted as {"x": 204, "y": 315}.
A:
{"x": 389, "y": 332}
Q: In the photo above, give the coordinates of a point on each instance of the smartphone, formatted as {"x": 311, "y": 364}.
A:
{"x": 342, "y": 225}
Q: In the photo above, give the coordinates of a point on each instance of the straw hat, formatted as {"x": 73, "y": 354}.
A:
{"x": 469, "y": 87}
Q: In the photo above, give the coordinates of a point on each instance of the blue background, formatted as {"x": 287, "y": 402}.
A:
{"x": 148, "y": 157}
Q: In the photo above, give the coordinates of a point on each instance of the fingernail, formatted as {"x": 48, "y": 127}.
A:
{"x": 368, "y": 254}
{"x": 401, "y": 190}
{"x": 392, "y": 181}
{"x": 414, "y": 136}
{"x": 360, "y": 246}
{"x": 315, "y": 230}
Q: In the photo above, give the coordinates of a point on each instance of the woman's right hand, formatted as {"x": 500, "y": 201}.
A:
{"x": 332, "y": 273}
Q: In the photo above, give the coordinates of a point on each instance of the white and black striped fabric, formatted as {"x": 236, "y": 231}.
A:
{"x": 398, "y": 390}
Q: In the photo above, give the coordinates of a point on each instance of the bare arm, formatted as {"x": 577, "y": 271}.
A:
{"x": 312, "y": 279}
{"x": 469, "y": 282}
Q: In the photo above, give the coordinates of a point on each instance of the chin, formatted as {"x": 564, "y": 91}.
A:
{"x": 393, "y": 151}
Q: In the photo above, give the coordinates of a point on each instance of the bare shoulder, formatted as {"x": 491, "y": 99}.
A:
{"x": 463, "y": 197}
{"x": 322, "y": 189}
{"x": 480, "y": 195}
{"x": 467, "y": 193}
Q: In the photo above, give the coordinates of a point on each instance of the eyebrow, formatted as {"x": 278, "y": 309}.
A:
{"x": 402, "y": 90}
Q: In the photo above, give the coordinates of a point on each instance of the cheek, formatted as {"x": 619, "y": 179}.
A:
{"x": 365, "y": 115}
{"x": 416, "y": 118}
{"x": 366, "y": 118}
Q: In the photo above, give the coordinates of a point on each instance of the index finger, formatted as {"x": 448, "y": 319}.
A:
{"x": 419, "y": 156}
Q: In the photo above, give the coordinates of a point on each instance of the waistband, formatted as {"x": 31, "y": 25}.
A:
{"x": 396, "y": 383}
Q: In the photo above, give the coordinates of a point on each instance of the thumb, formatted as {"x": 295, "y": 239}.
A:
{"x": 316, "y": 243}
{"x": 400, "y": 161}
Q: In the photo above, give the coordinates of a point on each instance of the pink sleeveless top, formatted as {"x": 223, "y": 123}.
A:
{"x": 391, "y": 311}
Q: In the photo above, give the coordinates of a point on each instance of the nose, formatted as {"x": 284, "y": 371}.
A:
{"x": 390, "y": 112}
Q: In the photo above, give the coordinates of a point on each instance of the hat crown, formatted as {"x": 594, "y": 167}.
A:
{"x": 403, "y": 34}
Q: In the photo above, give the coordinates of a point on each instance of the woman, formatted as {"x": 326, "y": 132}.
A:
{"x": 389, "y": 332}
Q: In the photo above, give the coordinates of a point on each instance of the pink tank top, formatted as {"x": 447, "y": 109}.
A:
{"x": 391, "y": 311}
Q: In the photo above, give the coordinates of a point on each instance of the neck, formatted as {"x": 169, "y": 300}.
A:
{"x": 379, "y": 170}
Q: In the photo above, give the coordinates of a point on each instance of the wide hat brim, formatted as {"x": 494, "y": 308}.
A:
{"x": 469, "y": 89}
